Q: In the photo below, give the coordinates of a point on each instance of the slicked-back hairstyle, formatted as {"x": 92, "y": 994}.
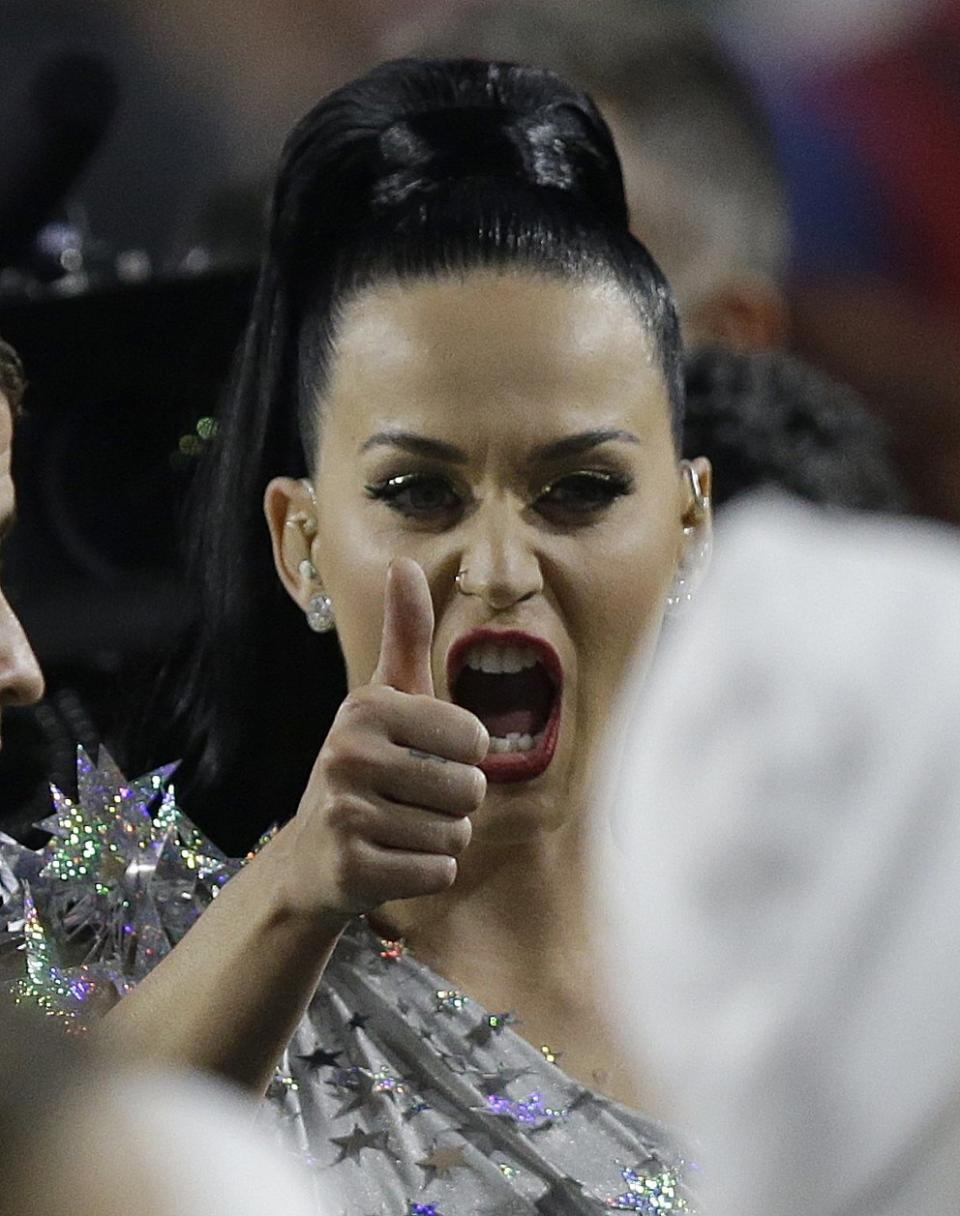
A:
{"x": 687, "y": 105}
{"x": 13, "y": 382}
{"x": 419, "y": 169}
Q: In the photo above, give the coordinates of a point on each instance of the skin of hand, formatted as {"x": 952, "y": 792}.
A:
{"x": 386, "y": 811}
{"x": 349, "y": 847}
{"x": 20, "y": 680}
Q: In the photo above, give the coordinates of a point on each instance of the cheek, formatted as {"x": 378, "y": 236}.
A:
{"x": 354, "y": 560}
{"x": 626, "y": 574}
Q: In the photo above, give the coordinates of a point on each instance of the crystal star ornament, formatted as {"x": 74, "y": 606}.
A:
{"x": 322, "y": 1059}
{"x": 391, "y": 951}
{"x": 492, "y": 1083}
{"x": 532, "y": 1113}
{"x": 651, "y": 1189}
{"x": 352, "y": 1146}
{"x": 364, "y": 1086}
{"x": 122, "y": 878}
{"x": 448, "y": 1000}
{"x": 441, "y": 1161}
{"x": 490, "y": 1025}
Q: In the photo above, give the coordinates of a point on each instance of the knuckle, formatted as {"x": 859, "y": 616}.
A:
{"x": 350, "y": 758}
{"x": 349, "y": 815}
{"x": 336, "y": 751}
{"x": 364, "y": 705}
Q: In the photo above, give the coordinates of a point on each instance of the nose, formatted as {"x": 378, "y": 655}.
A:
{"x": 21, "y": 681}
{"x": 500, "y": 564}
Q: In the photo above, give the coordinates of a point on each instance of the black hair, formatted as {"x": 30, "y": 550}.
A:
{"x": 13, "y": 382}
{"x": 689, "y": 107}
{"x": 420, "y": 168}
{"x": 770, "y": 420}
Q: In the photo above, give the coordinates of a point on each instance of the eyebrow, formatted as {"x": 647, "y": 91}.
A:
{"x": 571, "y": 445}
{"x": 586, "y": 441}
{"x": 419, "y": 445}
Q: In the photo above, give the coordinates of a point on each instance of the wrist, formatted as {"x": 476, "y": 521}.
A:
{"x": 278, "y": 866}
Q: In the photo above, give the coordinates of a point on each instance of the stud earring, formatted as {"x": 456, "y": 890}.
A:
{"x": 306, "y": 524}
{"x": 307, "y": 570}
{"x": 320, "y": 613}
{"x": 697, "y": 548}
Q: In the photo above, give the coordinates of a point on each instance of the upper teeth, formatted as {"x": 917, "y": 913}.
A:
{"x": 497, "y": 660}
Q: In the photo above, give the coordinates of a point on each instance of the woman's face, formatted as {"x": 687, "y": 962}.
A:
{"x": 516, "y": 428}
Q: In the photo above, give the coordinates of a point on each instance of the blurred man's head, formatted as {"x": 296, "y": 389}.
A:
{"x": 766, "y": 420}
{"x": 704, "y": 189}
{"x": 20, "y": 679}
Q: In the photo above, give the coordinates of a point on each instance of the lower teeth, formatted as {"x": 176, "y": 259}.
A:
{"x": 515, "y": 743}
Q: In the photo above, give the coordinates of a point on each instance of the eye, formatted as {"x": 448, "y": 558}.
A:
{"x": 581, "y": 495}
{"x": 425, "y": 496}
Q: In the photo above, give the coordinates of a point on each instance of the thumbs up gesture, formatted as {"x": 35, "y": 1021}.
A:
{"x": 386, "y": 811}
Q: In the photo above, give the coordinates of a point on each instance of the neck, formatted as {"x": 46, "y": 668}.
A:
{"x": 517, "y": 909}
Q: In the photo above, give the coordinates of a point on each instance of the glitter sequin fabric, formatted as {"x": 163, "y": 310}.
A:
{"x": 401, "y": 1092}
{"x": 412, "y": 1097}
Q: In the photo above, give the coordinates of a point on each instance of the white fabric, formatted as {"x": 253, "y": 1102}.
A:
{"x": 784, "y": 881}
{"x": 193, "y": 1149}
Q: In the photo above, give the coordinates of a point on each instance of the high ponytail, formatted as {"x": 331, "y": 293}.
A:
{"x": 418, "y": 169}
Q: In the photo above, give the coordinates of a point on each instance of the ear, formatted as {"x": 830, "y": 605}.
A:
{"x": 745, "y": 314}
{"x": 697, "y": 511}
{"x": 696, "y": 514}
{"x": 291, "y": 512}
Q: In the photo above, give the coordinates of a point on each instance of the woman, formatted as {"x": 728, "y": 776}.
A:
{"x": 461, "y": 383}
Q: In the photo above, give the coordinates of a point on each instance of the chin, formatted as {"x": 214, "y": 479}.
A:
{"x": 520, "y": 811}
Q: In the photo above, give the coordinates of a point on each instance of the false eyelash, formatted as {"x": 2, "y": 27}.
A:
{"x": 392, "y": 487}
{"x": 617, "y": 484}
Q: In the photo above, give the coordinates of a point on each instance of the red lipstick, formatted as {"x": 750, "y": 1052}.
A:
{"x": 513, "y": 682}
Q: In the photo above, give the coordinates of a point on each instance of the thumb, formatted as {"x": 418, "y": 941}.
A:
{"x": 407, "y": 642}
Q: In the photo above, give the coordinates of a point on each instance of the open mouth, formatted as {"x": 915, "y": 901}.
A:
{"x": 512, "y": 681}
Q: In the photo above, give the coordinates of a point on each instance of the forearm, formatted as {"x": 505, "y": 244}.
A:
{"x": 229, "y": 996}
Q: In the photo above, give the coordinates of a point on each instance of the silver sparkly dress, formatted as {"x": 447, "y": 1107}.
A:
{"x": 412, "y": 1099}
{"x": 404, "y": 1097}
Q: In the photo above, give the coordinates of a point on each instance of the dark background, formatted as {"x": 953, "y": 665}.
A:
{"x": 129, "y": 353}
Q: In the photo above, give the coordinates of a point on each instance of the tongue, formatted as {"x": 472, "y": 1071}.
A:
{"x": 510, "y": 722}
{"x": 511, "y": 704}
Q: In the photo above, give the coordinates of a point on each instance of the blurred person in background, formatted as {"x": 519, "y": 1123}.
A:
{"x": 203, "y": 94}
{"x": 786, "y": 798}
{"x": 80, "y": 1136}
{"x": 864, "y": 99}
{"x": 702, "y": 180}
{"x": 770, "y": 420}
{"x": 20, "y": 680}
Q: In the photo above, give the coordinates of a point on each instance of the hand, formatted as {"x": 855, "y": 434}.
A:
{"x": 386, "y": 811}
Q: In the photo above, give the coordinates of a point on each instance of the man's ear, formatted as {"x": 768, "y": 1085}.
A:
{"x": 291, "y": 513}
{"x": 744, "y": 314}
